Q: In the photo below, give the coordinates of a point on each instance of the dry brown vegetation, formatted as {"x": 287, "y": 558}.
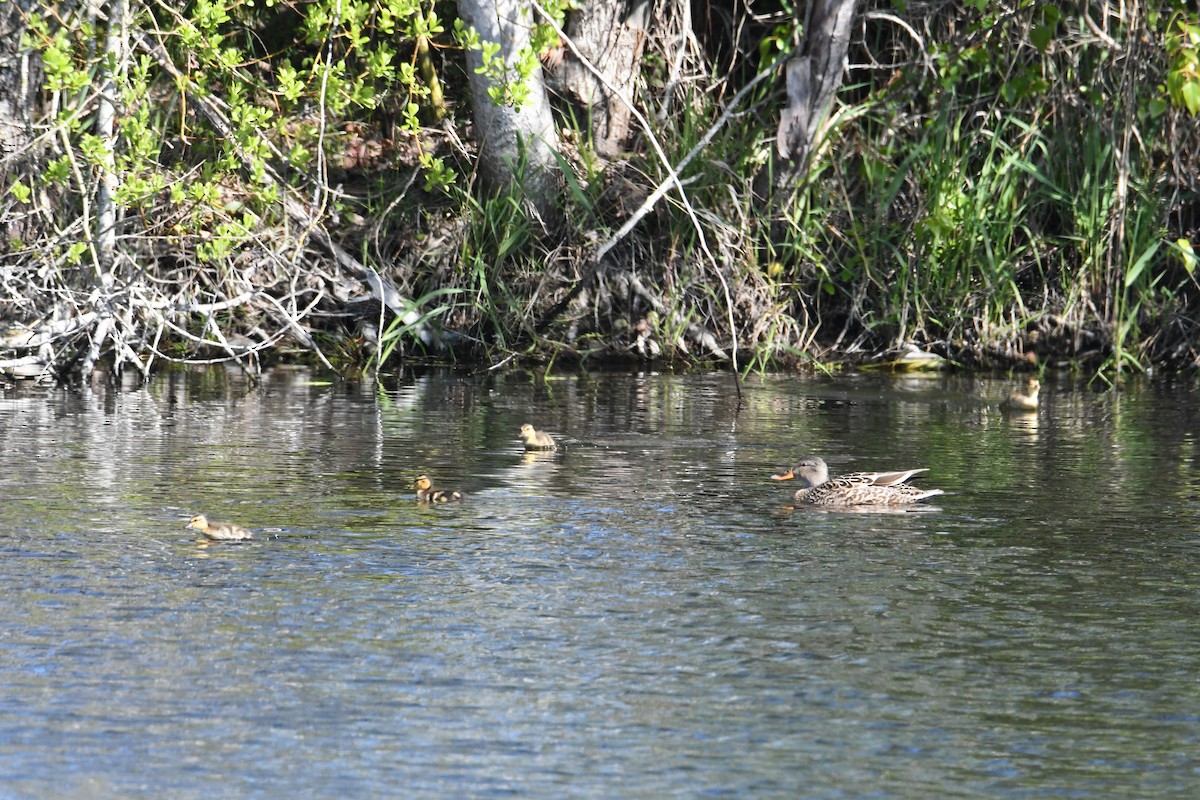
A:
{"x": 1003, "y": 187}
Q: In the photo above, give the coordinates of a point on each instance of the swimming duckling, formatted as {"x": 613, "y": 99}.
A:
{"x": 219, "y": 531}
{"x": 537, "y": 440}
{"x": 427, "y": 494}
{"x": 855, "y": 488}
{"x": 1023, "y": 401}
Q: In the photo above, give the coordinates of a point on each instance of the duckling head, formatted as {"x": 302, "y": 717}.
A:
{"x": 199, "y": 522}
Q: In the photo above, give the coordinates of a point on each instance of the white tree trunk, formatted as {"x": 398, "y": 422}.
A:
{"x": 106, "y": 112}
{"x": 506, "y": 134}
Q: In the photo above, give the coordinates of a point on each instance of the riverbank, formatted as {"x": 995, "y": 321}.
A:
{"x": 969, "y": 199}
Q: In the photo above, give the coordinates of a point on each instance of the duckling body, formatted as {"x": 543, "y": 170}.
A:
{"x": 219, "y": 531}
{"x": 855, "y": 488}
{"x": 1023, "y": 401}
{"x": 427, "y": 494}
{"x": 537, "y": 440}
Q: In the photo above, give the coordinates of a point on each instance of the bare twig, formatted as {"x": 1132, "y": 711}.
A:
{"x": 381, "y": 288}
{"x": 672, "y": 180}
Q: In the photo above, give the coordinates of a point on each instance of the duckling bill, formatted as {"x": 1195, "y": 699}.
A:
{"x": 537, "y": 440}
{"x": 427, "y": 494}
{"x": 219, "y": 531}
{"x": 855, "y": 488}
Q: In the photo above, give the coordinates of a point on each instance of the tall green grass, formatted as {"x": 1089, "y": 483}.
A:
{"x": 975, "y": 232}
{"x": 978, "y": 214}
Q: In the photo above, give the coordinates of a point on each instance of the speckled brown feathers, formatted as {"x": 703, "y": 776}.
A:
{"x": 855, "y": 488}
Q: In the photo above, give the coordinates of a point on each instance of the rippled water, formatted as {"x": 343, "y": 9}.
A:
{"x": 638, "y": 615}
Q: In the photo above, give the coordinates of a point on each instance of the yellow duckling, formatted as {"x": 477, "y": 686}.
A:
{"x": 536, "y": 440}
{"x": 219, "y": 531}
{"x": 1023, "y": 401}
{"x": 427, "y": 494}
{"x": 855, "y": 488}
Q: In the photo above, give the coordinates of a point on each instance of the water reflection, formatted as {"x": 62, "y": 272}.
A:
{"x": 638, "y": 614}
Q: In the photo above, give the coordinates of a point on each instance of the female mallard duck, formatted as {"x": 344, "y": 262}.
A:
{"x": 1023, "y": 401}
{"x": 854, "y": 489}
{"x": 219, "y": 531}
{"x": 427, "y": 494}
{"x": 536, "y": 440}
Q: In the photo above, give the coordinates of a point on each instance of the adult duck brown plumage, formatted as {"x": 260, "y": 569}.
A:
{"x": 855, "y": 488}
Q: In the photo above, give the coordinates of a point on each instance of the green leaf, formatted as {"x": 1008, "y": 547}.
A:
{"x": 20, "y": 191}
{"x": 1191, "y": 96}
{"x": 398, "y": 328}
{"x": 299, "y": 155}
{"x": 1139, "y": 266}
{"x": 1188, "y": 255}
{"x": 1041, "y": 36}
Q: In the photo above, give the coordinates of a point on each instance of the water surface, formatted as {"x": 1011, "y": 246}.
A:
{"x": 638, "y": 615}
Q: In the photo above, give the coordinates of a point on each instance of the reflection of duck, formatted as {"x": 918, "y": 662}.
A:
{"x": 427, "y": 494}
{"x": 854, "y": 489}
{"x": 536, "y": 440}
{"x": 1023, "y": 401}
{"x": 219, "y": 531}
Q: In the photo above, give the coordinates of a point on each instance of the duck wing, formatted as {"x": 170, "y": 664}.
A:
{"x": 881, "y": 478}
{"x": 845, "y": 491}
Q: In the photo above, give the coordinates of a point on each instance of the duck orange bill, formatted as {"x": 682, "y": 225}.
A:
{"x": 786, "y": 475}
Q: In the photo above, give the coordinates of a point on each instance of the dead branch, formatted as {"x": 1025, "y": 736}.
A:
{"x": 381, "y": 289}
{"x": 672, "y": 181}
